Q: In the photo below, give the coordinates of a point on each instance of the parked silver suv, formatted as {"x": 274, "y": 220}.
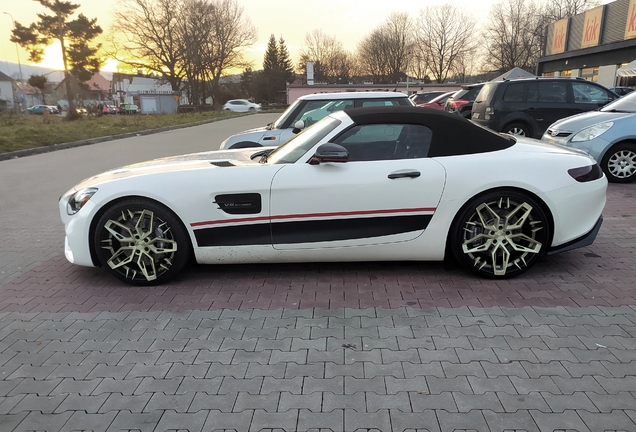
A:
{"x": 307, "y": 110}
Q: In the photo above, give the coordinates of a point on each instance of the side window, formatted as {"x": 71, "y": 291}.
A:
{"x": 533, "y": 92}
{"x": 553, "y": 92}
{"x": 376, "y": 102}
{"x": 316, "y": 110}
{"x": 589, "y": 93}
{"x": 386, "y": 142}
{"x": 514, "y": 93}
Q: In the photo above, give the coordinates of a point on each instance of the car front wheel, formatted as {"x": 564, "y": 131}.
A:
{"x": 501, "y": 234}
{"x": 141, "y": 242}
{"x": 619, "y": 163}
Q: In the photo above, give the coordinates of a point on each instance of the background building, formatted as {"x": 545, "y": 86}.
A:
{"x": 592, "y": 45}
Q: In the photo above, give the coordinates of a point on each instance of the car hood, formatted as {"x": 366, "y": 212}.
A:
{"x": 253, "y": 135}
{"x": 580, "y": 121}
{"x": 221, "y": 159}
{"x": 527, "y": 145}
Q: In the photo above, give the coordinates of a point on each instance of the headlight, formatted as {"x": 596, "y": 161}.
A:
{"x": 592, "y": 132}
{"x": 78, "y": 199}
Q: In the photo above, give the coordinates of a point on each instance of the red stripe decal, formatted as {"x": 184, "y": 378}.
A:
{"x": 314, "y": 215}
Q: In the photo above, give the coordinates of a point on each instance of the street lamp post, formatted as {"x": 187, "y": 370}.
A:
{"x": 17, "y": 52}
{"x": 16, "y": 46}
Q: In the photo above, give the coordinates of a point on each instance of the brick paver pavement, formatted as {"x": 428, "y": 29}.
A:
{"x": 321, "y": 347}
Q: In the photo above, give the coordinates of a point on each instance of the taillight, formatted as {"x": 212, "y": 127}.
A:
{"x": 456, "y": 104}
{"x": 586, "y": 173}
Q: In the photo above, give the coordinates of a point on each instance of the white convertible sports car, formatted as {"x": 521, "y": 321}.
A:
{"x": 396, "y": 183}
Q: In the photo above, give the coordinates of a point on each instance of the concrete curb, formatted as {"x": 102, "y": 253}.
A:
{"x": 62, "y": 146}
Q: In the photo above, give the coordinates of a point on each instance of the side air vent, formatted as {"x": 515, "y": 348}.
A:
{"x": 222, "y": 164}
{"x": 245, "y": 203}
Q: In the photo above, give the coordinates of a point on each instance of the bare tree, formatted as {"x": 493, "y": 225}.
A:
{"x": 554, "y": 10}
{"x": 331, "y": 60}
{"x": 194, "y": 30}
{"x": 195, "y": 39}
{"x": 514, "y": 36}
{"x": 146, "y": 36}
{"x": 445, "y": 38}
{"x": 385, "y": 54}
{"x": 232, "y": 32}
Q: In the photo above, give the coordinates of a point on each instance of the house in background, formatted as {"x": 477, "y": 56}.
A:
{"x": 8, "y": 93}
{"x": 153, "y": 95}
{"x": 30, "y": 95}
{"x": 95, "y": 90}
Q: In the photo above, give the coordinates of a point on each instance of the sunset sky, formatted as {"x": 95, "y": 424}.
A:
{"x": 347, "y": 20}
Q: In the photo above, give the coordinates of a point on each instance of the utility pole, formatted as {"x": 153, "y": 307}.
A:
{"x": 17, "y": 53}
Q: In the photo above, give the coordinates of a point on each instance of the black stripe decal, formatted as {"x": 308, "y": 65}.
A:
{"x": 310, "y": 231}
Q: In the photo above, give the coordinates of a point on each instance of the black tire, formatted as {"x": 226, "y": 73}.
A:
{"x": 619, "y": 163}
{"x": 141, "y": 242}
{"x": 252, "y": 110}
{"x": 244, "y": 144}
{"x": 517, "y": 128}
{"x": 500, "y": 234}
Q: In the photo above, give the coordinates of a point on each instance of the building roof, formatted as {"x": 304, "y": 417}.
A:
{"x": 26, "y": 88}
{"x": 5, "y": 77}
{"x": 98, "y": 82}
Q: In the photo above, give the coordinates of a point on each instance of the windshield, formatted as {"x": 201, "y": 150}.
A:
{"x": 293, "y": 149}
{"x": 285, "y": 115}
{"x": 625, "y": 104}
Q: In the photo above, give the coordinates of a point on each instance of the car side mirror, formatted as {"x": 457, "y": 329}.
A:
{"x": 298, "y": 126}
{"x": 329, "y": 152}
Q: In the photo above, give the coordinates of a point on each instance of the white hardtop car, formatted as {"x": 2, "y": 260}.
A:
{"x": 307, "y": 110}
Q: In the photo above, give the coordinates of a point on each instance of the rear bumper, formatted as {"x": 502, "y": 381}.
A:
{"x": 584, "y": 240}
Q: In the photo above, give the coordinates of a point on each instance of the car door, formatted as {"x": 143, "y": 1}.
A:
{"x": 547, "y": 102}
{"x": 387, "y": 192}
{"x": 588, "y": 96}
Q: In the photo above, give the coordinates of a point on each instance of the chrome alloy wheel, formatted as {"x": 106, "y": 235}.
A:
{"x": 140, "y": 243}
{"x": 502, "y": 236}
{"x": 517, "y": 131}
{"x": 622, "y": 164}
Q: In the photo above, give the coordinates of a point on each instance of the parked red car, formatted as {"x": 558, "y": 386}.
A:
{"x": 439, "y": 101}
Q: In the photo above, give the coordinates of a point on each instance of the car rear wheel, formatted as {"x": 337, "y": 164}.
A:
{"x": 141, "y": 242}
{"x": 501, "y": 234}
{"x": 619, "y": 163}
{"x": 517, "y": 129}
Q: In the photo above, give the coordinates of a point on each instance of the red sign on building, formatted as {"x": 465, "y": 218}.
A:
{"x": 592, "y": 28}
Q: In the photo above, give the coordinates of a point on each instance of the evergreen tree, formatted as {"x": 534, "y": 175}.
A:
{"x": 270, "y": 62}
{"x": 75, "y": 37}
{"x": 284, "y": 62}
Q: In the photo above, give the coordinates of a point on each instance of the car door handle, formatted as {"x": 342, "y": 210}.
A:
{"x": 411, "y": 174}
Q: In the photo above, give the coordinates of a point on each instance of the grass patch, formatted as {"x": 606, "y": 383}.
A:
{"x": 21, "y": 131}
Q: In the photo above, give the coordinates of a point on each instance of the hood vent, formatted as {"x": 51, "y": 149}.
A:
{"x": 222, "y": 164}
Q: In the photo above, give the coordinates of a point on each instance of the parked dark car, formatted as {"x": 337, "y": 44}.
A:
{"x": 421, "y": 98}
{"x": 528, "y": 106}
{"x": 621, "y": 91}
{"x": 462, "y": 101}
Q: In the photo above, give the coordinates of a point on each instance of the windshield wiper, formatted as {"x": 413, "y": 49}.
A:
{"x": 269, "y": 126}
{"x": 262, "y": 154}
{"x": 618, "y": 111}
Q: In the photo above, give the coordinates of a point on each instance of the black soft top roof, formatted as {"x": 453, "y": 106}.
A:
{"x": 452, "y": 134}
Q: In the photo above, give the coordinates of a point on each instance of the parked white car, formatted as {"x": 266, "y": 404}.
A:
{"x": 241, "y": 105}
{"x": 367, "y": 184}
{"x": 307, "y": 110}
